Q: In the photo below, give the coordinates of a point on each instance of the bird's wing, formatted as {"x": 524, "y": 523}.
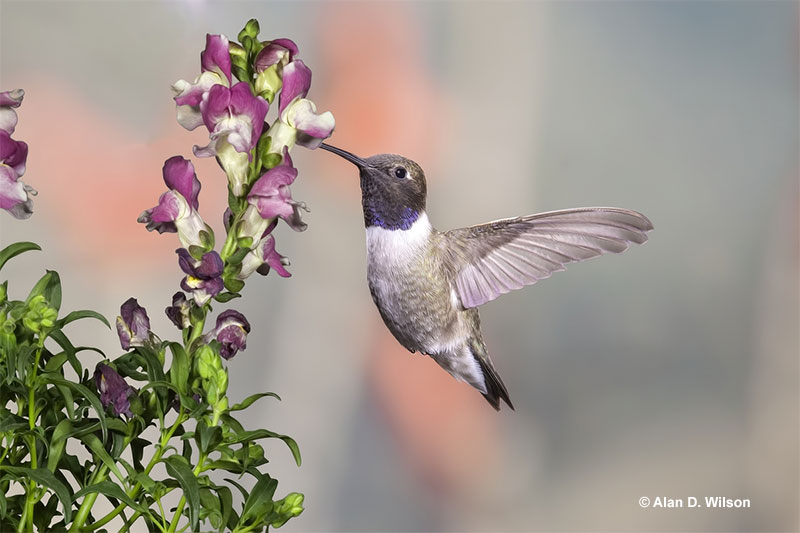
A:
{"x": 498, "y": 257}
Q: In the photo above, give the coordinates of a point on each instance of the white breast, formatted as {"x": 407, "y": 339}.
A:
{"x": 391, "y": 250}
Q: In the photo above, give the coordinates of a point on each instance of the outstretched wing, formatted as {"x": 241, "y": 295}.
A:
{"x": 498, "y": 257}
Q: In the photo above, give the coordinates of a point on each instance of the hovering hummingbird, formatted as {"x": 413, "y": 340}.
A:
{"x": 428, "y": 284}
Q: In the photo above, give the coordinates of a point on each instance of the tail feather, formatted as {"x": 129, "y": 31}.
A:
{"x": 495, "y": 388}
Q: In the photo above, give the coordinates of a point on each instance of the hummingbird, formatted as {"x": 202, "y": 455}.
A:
{"x": 428, "y": 284}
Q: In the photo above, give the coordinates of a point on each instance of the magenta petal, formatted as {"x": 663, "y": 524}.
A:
{"x": 296, "y": 83}
{"x": 274, "y": 178}
{"x": 274, "y": 259}
{"x": 215, "y": 106}
{"x": 216, "y": 57}
{"x": 289, "y": 45}
{"x": 243, "y": 102}
{"x": 167, "y": 209}
{"x": 191, "y": 97}
{"x": 179, "y": 175}
{"x": 274, "y": 206}
{"x": 13, "y": 153}
{"x": 275, "y": 52}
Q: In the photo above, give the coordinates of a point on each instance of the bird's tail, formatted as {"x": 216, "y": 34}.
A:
{"x": 495, "y": 388}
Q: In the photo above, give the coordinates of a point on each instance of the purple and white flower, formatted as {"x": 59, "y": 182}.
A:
{"x": 235, "y": 119}
{"x": 8, "y": 117}
{"x": 203, "y": 278}
{"x": 270, "y": 63}
{"x": 278, "y": 51}
{"x": 176, "y": 211}
{"x": 271, "y": 196}
{"x": 262, "y": 258}
{"x": 298, "y": 122}
{"x": 179, "y": 311}
{"x": 215, "y": 61}
{"x": 231, "y": 332}
{"x": 113, "y": 390}
{"x": 133, "y": 327}
{"x": 15, "y": 196}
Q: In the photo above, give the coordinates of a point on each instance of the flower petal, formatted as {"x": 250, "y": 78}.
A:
{"x": 11, "y": 98}
{"x": 312, "y": 128}
{"x": 296, "y": 83}
{"x": 216, "y": 57}
{"x": 133, "y": 326}
{"x": 277, "y": 51}
{"x": 179, "y": 175}
{"x": 8, "y": 119}
{"x": 12, "y": 191}
{"x": 13, "y": 153}
{"x": 188, "y": 97}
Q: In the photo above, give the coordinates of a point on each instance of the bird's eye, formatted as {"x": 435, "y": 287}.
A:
{"x": 400, "y": 173}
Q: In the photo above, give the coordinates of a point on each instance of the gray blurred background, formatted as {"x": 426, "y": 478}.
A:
{"x": 669, "y": 371}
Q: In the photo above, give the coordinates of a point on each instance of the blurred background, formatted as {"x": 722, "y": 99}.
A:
{"x": 669, "y": 371}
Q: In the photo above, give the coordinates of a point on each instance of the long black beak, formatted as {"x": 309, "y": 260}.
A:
{"x": 357, "y": 161}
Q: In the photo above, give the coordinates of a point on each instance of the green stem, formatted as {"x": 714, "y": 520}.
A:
{"x": 31, "y": 495}
{"x": 165, "y": 438}
{"x": 88, "y": 501}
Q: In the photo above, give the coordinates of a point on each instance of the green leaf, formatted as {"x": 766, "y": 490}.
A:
{"x": 260, "y": 502}
{"x": 145, "y": 481}
{"x": 178, "y": 468}
{"x": 207, "y": 437}
{"x": 49, "y": 286}
{"x": 234, "y": 285}
{"x": 251, "y": 399}
{"x": 238, "y": 256}
{"x": 111, "y": 490}
{"x": 70, "y": 350}
{"x": 241, "y": 489}
{"x": 83, "y": 313}
{"x": 44, "y": 477}
{"x": 13, "y": 250}
{"x": 179, "y": 370}
{"x": 83, "y": 391}
{"x": 226, "y": 507}
{"x": 58, "y": 442}
{"x": 247, "y": 436}
{"x": 226, "y": 296}
{"x": 97, "y": 449}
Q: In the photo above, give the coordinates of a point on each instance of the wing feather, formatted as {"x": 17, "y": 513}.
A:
{"x": 498, "y": 257}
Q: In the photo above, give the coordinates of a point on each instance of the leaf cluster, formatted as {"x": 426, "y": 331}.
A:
{"x": 51, "y": 408}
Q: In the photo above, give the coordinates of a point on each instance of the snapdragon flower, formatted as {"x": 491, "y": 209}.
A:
{"x": 15, "y": 196}
{"x": 178, "y": 312}
{"x": 263, "y": 257}
{"x": 215, "y": 62}
{"x": 270, "y": 62}
{"x": 176, "y": 211}
{"x": 203, "y": 278}
{"x": 231, "y": 332}
{"x": 298, "y": 121}
{"x": 133, "y": 326}
{"x": 272, "y": 197}
{"x": 235, "y": 119}
{"x": 113, "y": 390}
